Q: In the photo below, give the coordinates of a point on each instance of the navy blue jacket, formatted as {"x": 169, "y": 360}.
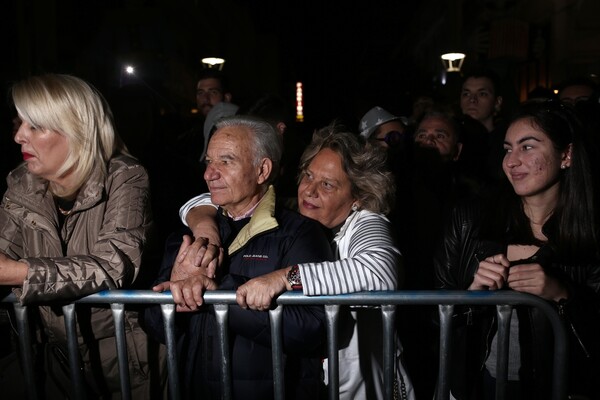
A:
{"x": 294, "y": 239}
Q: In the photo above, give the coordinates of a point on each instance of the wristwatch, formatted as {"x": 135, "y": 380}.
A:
{"x": 294, "y": 279}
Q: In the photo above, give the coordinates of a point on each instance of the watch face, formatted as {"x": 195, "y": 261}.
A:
{"x": 293, "y": 277}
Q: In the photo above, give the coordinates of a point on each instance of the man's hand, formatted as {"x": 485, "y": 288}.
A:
{"x": 196, "y": 257}
{"x": 12, "y": 272}
{"x": 187, "y": 293}
{"x": 206, "y": 251}
{"x": 491, "y": 274}
{"x": 258, "y": 293}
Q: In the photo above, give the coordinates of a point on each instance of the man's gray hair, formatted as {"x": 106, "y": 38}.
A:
{"x": 267, "y": 143}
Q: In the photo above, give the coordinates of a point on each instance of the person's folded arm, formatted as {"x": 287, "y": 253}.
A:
{"x": 199, "y": 215}
{"x": 373, "y": 263}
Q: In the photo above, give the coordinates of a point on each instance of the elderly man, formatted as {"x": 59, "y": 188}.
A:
{"x": 257, "y": 237}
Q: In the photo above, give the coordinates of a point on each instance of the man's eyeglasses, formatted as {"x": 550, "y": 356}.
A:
{"x": 392, "y": 138}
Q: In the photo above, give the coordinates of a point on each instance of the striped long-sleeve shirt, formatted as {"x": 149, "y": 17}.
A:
{"x": 368, "y": 259}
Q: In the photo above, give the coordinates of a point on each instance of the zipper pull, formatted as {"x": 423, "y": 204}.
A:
{"x": 565, "y": 317}
{"x": 561, "y": 308}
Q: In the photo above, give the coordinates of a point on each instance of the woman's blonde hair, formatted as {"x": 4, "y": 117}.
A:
{"x": 73, "y": 108}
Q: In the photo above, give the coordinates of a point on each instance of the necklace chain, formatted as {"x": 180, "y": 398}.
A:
{"x": 64, "y": 205}
{"x": 64, "y": 212}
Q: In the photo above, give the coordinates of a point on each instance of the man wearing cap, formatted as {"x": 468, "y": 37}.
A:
{"x": 382, "y": 127}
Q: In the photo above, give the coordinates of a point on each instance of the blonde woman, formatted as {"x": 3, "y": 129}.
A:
{"x": 74, "y": 221}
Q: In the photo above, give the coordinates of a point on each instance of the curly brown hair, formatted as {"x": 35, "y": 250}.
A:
{"x": 365, "y": 164}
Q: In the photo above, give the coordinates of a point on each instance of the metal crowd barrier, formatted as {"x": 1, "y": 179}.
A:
{"x": 387, "y": 300}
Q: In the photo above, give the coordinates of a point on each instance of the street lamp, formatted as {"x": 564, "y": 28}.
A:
{"x": 453, "y": 61}
{"x": 213, "y": 62}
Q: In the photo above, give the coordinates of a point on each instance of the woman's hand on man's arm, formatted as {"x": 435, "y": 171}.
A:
{"x": 205, "y": 251}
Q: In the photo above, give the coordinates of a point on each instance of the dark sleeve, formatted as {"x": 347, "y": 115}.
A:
{"x": 581, "y": 312}
{"x": 447, "y": 260}
{"x": 309, "y": 244}
{"x": 303, "y": 326}
{"x": 172, "y": 245}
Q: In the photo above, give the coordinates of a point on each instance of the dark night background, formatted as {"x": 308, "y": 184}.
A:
{"x": 350, "y": 55}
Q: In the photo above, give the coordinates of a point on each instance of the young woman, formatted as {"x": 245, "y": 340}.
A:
{"x": 539, "y": 237}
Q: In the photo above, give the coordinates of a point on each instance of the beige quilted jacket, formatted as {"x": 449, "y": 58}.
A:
{"x": 103, "y": 237}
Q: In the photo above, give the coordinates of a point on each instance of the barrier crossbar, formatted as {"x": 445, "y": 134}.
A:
{"x": 222, "y": 300}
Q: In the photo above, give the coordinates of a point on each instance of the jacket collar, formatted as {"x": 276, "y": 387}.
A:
{"x": 262, "y": 220}
{"x": 33, "y": 192}
{"x": 91, "y": 192}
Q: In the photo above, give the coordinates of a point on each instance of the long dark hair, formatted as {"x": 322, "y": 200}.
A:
{"x": 572, "y": 228}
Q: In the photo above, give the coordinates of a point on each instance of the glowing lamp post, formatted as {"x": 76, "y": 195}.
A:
{"x": 214, "y": 62}
{"x": 453, "y": 61}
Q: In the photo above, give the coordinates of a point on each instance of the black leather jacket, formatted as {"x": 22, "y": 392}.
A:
{"x": 456, "y": 262}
